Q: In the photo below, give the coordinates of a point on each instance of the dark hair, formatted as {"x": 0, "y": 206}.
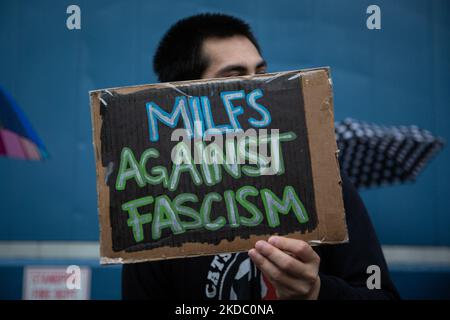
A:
{"x": 179, "y": 55}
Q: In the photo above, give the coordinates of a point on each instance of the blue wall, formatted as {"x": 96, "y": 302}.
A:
{"x": 397, "y": 75}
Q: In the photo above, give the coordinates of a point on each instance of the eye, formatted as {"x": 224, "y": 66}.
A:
{"x": 233, "y": 74}
{"x": 261, "y": 71}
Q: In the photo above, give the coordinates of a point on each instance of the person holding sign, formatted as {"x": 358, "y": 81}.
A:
{"x": 215, "y": 46}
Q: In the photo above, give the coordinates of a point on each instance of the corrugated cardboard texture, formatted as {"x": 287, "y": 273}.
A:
{"x": 298, "y": 101}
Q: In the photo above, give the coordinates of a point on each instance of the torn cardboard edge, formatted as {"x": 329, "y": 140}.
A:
{"x": 318, "y": 103}
{"x": 267, "y": 76}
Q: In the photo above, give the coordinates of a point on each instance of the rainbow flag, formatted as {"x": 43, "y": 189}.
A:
{"x": 17, "y": 137}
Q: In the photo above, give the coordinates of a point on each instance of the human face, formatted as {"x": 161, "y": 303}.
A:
{"x": 231, "y": 57}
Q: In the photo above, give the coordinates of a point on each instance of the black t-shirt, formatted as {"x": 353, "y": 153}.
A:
{"x": 343, "y": 269}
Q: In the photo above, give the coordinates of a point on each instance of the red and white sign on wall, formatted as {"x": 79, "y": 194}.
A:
{"x": 56, "y": 283}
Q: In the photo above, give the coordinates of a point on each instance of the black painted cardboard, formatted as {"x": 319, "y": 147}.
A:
{"x": 299, "y": 102}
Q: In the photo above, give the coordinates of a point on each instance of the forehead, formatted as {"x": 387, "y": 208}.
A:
{"x": 237, "y": 50}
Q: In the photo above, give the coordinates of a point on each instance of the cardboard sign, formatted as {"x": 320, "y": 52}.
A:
{"x": 56, "y": 283}
{"x": 210, "y": 166}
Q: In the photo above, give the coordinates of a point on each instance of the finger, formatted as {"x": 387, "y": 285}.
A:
{"x": 282, "y": 260}
{"x": 300, "y": 249}
{"x": 277, "y": 277}
{"x": 271, "y": 271}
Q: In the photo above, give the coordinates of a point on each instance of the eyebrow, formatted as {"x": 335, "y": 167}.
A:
{"x": 240, "y": 68}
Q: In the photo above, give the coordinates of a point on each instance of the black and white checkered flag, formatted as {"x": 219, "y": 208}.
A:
{"x": 374, "y": 155}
